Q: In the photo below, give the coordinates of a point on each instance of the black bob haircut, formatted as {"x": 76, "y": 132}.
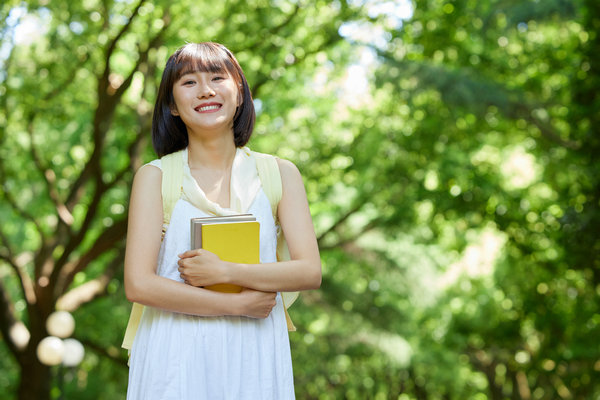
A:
{"x": 169, "y": 133}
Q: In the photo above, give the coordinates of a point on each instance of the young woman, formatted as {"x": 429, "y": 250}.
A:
{"x": 194, "y": 343}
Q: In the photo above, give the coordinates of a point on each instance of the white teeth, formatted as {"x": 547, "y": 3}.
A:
{"x": 207, "y": 108}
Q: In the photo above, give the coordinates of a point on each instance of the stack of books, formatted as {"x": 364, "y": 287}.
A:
{"x": 233, "y": 238}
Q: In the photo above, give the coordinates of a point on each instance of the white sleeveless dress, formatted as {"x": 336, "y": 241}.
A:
{"x": 182, "y": 357}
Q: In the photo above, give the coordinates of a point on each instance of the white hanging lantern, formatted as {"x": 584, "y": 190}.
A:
{"x": 20, "y": 335}
{"x": 50, "y": 350}
{"x": 74, "y": 352}
{"x": 60, "y": 324}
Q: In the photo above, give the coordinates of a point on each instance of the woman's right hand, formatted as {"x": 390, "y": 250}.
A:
{"x": 256, "y": 304}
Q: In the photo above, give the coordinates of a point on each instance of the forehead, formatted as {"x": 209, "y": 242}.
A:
{"x": 195, "y": 58}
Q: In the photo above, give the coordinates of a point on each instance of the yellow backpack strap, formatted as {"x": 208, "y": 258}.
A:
{"x": 270, "y": 177}
{"x": 172, "y": 180}
{"x": 132, "y": 325}
{"x": 268, "y": 172}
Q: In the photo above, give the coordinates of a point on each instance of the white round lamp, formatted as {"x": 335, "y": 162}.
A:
{"x": 60, "y": 324}
{"x": 50, "y": 350}
{"x": 73, "y": 352}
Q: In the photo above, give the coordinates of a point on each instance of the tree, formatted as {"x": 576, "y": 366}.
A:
{"x": 76, "y": 108}
{"x": 474, "y": 120}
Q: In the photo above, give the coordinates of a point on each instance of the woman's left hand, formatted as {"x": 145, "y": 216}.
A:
{"x": 201, "y": 268}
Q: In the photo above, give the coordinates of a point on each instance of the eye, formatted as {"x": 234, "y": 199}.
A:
{"x": 186, "y": 79}
{"x": 218, "y": 78}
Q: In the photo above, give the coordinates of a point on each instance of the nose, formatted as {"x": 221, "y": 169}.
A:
{"x": 205, "y": 89}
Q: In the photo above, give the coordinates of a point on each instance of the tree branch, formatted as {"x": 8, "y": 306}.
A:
{"x": 545, "y": 128}
{"x": 61, "y": 87}
{"x": 103, "y": 113}
{"x": 103, "y": 243}
{"x": 49, "y": 177}
{"x": 357, "y": 206}
{"x": 13, "y": 203}
{"x": 144, "y": 112}
{"x": 350, "y": 239}
{"x": 143, "y": 58}
{"x": 92, "y": 289}
{"x": 477, "y": 94}
{"x": 75, "y": 239}
{"x": 486, "y": 363}
{"x": 134, "y": 148}
{"x": 8, "y": 321}
{"x": 102, "y": 117}
{"x": 24, "y": 280}
{"x": 113, "y": 44}
{"x": 271, "y": 31}
{"x": 111, "y": 353}
{"x": 264, "y": 79}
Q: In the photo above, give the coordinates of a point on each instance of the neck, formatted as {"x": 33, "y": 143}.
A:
{"x": 217, "y": 154}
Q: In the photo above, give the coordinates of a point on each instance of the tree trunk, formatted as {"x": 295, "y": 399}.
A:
{"x": 36, "y": 378}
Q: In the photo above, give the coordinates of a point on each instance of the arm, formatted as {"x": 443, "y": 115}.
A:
{"x": 144, "y": 286}
{"x": 302, "y": 272}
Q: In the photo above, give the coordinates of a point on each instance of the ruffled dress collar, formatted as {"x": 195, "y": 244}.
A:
{"x": 244, "y": 185}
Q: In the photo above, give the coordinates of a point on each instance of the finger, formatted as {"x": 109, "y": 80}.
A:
{"x": 189, "y": 253}
{"x": 184, "y": 262}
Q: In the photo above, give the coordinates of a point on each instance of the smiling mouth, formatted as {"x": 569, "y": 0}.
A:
{"x": 208, "y": 108}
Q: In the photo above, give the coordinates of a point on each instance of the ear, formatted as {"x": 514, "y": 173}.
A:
{"x": 174, "y": 111}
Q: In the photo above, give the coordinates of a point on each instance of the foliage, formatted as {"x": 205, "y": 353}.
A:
{"x": 455, "y": 198}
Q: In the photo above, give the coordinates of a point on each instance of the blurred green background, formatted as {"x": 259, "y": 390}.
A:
{"x": 450, "y": 153}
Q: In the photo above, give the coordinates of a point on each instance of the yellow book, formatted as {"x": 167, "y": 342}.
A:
{"x": 237, "y": 242}
{"x": 196, "y": 225}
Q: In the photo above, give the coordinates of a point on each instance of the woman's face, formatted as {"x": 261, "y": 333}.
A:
{"x": 206, "y": 101}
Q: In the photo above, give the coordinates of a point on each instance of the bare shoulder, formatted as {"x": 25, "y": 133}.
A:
{"x": 146, "y": 189}
{"x": 291, "y": 182}
{"x": 288, "y": 170}
{"x": 147, "y": 176}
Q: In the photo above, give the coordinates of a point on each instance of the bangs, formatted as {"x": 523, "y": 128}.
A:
{"x": 202, "y": 57}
